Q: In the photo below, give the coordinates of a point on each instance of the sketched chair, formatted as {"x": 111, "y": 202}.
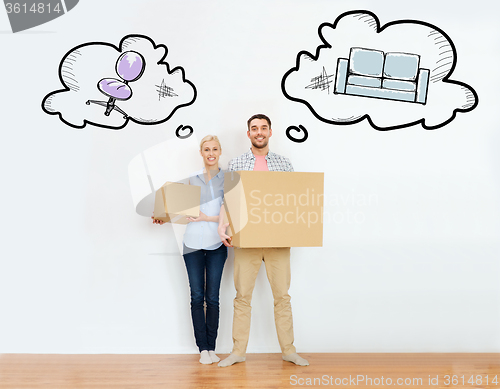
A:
{"x": 129, "y": 67}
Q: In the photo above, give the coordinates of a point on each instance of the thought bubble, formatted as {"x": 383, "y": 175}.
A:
{"x": 108, "y": 86}
{"x": 394, "y": 76}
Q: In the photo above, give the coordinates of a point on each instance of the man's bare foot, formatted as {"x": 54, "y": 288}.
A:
{"x": 296, "y": 358}
{"x": 231, "y": 360}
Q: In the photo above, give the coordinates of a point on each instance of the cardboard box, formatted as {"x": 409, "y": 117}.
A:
{"x": 174, "y": 201}
{"x": 274, "y": 209}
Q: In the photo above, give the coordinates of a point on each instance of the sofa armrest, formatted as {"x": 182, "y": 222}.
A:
{"x": 341, "y": 75}
{"x": 422, "y": 85}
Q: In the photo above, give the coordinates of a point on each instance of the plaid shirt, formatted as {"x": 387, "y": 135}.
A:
{"x": 275, "y": 162}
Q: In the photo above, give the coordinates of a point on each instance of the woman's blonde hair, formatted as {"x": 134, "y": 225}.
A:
{"x": 209, "y": 138}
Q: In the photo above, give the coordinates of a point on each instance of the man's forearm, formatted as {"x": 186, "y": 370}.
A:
{"x": 221, "y": 215}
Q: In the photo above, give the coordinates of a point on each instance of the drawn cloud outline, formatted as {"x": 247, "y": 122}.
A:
{"x": 327, "y": 45}
{"x": 119, "y": 50}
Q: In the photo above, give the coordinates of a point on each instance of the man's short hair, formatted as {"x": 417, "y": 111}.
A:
{"x": 259, "y": 116}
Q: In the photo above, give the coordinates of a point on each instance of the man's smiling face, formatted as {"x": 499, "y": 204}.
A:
{"x": 259, "y": 133}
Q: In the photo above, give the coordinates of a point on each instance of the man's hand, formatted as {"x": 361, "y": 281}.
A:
{"x": 155, "y": 221}
{"x": 226, "y": 239}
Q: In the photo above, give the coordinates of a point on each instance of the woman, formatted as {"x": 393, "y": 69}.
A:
{"x": 204, "y": 254}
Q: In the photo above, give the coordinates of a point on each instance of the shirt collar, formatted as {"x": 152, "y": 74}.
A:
{"x": 200, "y": 173}
{"x": 252, "y": 156}
{"x": 249, "y": 154}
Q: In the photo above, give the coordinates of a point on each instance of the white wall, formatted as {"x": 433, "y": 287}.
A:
{"x": 416, "y": 270}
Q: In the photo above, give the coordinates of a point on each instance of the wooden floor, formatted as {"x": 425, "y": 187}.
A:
{"x": 19, "y": 371}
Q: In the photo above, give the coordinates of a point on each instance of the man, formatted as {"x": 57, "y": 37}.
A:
{"x": 248, "y": 261}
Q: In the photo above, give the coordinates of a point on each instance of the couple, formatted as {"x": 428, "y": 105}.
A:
{"x": 205, "y": 253}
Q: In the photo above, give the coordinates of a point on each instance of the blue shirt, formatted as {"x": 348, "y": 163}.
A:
{"x": 203, "y": 235}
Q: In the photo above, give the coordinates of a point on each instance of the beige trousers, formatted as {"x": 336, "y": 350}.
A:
{"x": 246, "y": 267}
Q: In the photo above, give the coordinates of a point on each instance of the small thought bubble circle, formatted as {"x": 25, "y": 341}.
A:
{"x": 184, "y": 128}
{"x": 298, "y": 129}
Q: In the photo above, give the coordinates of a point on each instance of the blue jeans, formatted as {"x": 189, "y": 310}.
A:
{"x": 204, "y": 268}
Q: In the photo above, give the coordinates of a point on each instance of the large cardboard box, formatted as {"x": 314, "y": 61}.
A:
{"x": 174, "y": 202}
{"x": 274, "y": 209}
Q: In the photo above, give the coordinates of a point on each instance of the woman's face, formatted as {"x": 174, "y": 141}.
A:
{"x": 210, "y": 152}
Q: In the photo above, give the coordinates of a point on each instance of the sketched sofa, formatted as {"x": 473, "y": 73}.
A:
{"x": 373, "y": 73}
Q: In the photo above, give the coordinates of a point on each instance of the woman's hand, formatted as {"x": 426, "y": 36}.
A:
{"x": 155, "y": 221}
{"x": 201, "y": 218}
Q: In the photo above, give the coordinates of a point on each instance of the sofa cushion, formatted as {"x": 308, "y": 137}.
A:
{"x": 401, "y": 66}
{"x": 366, "y": 62}
{"x": 365, "y": 81}
{"x": 399, "y": 85}
{"x": 380, "y": 93}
